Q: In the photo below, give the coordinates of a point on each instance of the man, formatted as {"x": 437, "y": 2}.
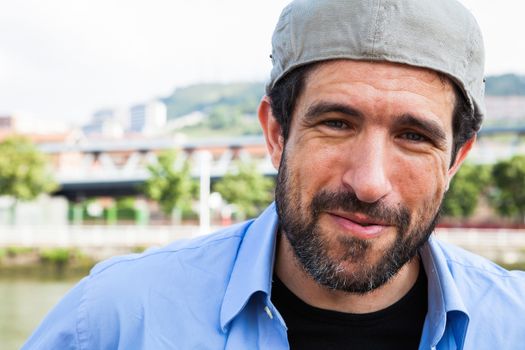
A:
{"x": 371, "y": 108}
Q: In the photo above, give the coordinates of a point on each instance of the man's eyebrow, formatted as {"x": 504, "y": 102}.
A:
{"x": 433, "y": 129}
{"x": 321, "y": 108}
{"x": 430, "y": 127}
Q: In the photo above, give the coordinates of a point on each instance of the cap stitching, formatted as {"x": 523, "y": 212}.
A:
{"x": 374, "y": 28}
{"x": 290, "y": 28}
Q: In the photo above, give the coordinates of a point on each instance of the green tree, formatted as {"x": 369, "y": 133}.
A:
{"x": 505, "y": 85}
{"x": 203, "y": 97}
{"x": 247, "y": 189}
{"x": 508, "y": 197}
{"x": 169, "y": 185}
{"x": 465, "y": 189}
{"x": 24, "y": 170}
{"x": 223, "y": 117}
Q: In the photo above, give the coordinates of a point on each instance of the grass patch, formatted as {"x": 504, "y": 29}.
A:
{"x": 44, "y": 263}
{"x": 516, "y": 266}
{"x": 16, "y": 251}
{"x": 57, "y": 256}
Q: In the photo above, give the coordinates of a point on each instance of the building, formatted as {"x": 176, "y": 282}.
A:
{"x": 105, "y": 123}
{"x": 505, "y": 110}
{"x": 147, "y": 118}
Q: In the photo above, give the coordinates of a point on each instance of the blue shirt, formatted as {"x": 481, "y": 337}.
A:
{"x": 213, "y": 292}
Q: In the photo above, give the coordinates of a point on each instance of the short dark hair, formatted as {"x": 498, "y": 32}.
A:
{"x": 283, "y": 97}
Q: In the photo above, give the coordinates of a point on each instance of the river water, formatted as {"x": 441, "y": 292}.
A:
{"x": 24, "y": 302}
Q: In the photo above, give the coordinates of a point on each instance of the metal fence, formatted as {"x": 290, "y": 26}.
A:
{"x": 99, "y": 242}
{"x": 506, "y": 245}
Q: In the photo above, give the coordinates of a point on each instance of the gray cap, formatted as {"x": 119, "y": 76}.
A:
{"x": 441, "y": 35}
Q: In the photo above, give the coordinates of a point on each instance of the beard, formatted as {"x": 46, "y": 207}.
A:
{"x": 337, "y": 260}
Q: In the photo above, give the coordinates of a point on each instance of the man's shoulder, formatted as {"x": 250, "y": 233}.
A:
{"x": 490, "y": 295}
{"x": 216, "y": 251}
{"x": 185, "y": 268}
{"x": 163, "y": 286}
{"x": 478, "y": 276}
{"x": 156, "y": 298}
{"x": 458, "y": 258}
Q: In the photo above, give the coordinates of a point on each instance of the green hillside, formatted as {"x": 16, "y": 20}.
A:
{"x": 244, "y": 97}
{"x": 505, "y": 85}
{"x": 230, "y": 109}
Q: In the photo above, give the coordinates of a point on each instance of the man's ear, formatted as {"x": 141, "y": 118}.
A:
{"x": 460, "y": 158}
{"x": 272, "y": 131}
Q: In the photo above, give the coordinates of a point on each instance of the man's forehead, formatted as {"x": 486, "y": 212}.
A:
{"x": 339, "y": 75}
{"x": 367, "y": 90}
{"x": 386, "y": 68}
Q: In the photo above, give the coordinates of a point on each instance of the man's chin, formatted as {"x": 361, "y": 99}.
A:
{"x": 357, "y": 277}
{"x": 351, "y": 264}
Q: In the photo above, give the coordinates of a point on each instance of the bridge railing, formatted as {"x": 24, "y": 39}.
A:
{"x": 506, "y": 245}
{"x": 503, "y": 245}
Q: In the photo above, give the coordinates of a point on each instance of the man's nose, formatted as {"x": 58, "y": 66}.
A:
{"x": 367, "y": 174}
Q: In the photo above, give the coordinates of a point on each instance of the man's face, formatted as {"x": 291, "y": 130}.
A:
{"x": 363, "y": 172}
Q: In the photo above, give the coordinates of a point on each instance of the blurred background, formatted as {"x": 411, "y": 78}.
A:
{"x": 129, "y": 124}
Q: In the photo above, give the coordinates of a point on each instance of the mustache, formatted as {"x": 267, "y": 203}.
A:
{"x": 348, "y": 201}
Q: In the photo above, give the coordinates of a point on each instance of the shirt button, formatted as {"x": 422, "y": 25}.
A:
{"x": 268, "y": 312}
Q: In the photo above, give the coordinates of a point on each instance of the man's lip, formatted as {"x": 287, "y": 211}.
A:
{"x": 359, "y": 225}
{"x": 359, "y": 218}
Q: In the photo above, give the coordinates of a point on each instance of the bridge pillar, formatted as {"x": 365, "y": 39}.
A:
{"x": 111, "y": 213}
{"x": 141, "y": 212}
{"x": 77, "y": 213}
{"x": 204, "y": 208}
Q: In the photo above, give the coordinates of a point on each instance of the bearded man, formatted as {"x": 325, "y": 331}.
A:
{"x": 371, "y": 108}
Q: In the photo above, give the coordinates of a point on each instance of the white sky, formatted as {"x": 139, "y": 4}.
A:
{"x": 64, "y": 59}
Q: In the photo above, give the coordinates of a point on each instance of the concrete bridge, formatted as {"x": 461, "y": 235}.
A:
{"x": 117, "y": 167}
{"x": 94, "y": 167}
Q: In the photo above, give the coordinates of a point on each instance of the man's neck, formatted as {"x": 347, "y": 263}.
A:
{"x": 304, "y": 287}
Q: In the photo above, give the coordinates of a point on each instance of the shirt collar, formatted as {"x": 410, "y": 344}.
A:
{"x": 445, "y": 304}
{"x": 252, "y": 271}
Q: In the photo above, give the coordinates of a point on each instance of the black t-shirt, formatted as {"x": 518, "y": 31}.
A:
{"x": 397, "y": 327}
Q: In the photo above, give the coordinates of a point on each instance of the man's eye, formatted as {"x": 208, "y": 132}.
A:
{"x": 414, "y": 137}
{"x": 336, "y": 124}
